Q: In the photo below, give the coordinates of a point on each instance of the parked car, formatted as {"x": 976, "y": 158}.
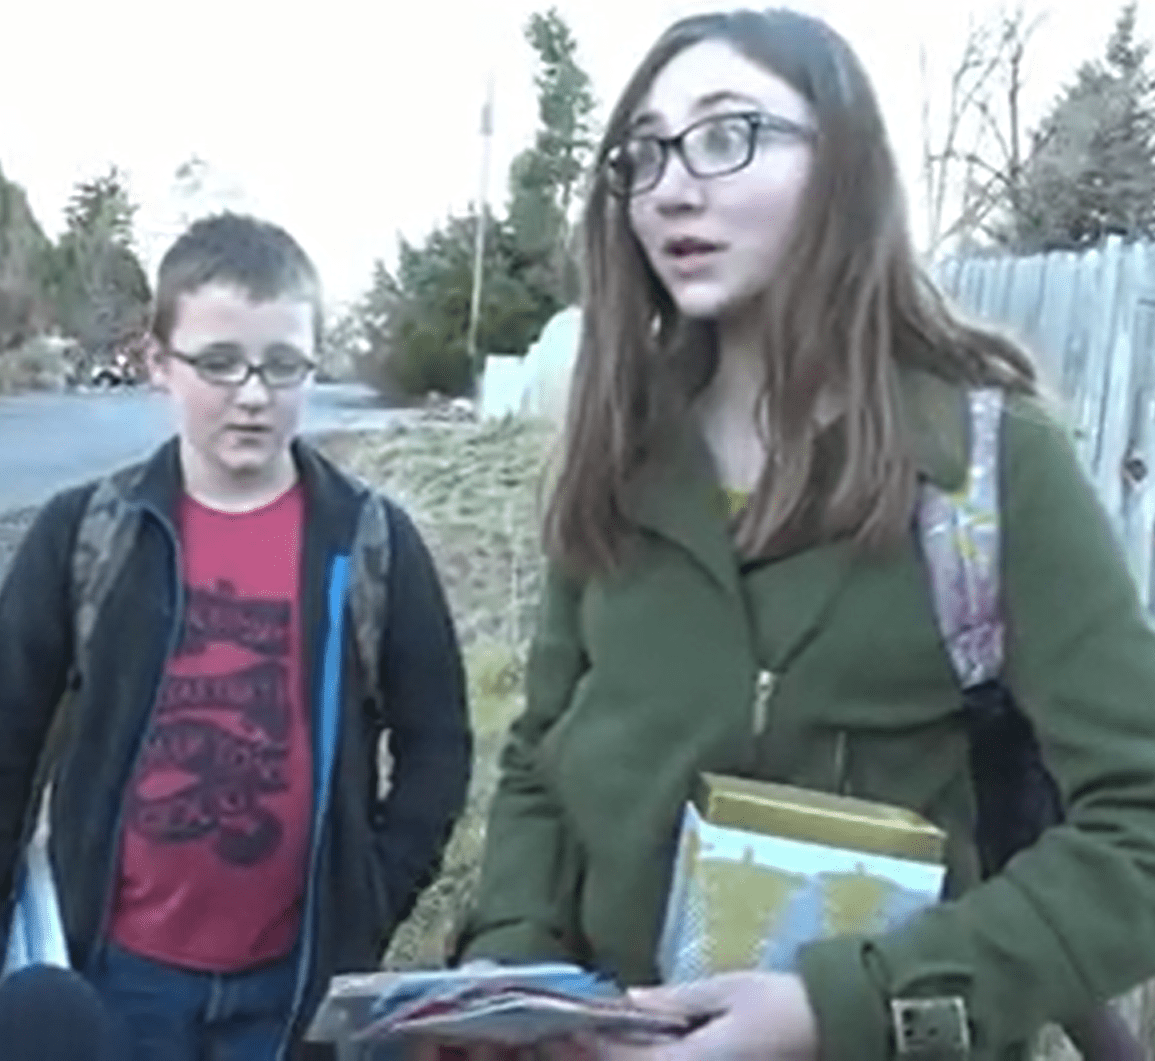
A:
{"x": 117, "y": 373}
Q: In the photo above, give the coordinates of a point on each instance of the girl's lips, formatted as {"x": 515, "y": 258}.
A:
{"x": 689, "y": 247}
{"x": 690, "y": 257}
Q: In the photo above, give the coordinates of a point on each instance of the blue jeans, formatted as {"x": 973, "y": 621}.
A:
{"x": 172, "y": 1014}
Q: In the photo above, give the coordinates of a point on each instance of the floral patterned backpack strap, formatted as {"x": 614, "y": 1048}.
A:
{"x": 959, "y": 532}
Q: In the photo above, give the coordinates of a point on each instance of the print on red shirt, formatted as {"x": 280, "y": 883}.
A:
{"x": 226, "y": 733}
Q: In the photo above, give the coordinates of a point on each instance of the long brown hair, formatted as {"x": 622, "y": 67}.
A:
{"x": 849, "y": 303}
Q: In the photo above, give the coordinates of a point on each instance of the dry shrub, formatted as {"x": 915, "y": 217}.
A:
{"x": 37, "y": 364}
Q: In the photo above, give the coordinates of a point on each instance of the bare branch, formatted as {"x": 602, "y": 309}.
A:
{"x": 990, "y": 124}
{"x": 979, "y": 154}
{"x": 979, "y": 200}
{"x": 928, "y": 160}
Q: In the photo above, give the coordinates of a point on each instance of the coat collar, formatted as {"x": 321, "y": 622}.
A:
{"x": 677, "y": 496}
{"x": 332, "y": 498}
{"x": 935, "y": 420}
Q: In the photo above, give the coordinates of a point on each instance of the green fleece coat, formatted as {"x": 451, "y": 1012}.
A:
{"x": 640, "y": 681}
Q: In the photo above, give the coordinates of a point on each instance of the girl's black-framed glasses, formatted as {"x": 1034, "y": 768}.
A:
{"x": 710, "y": 147}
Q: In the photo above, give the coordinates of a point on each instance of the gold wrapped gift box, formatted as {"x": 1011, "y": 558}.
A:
{"x": 818, "y": 817}
{"x": 764, "y": 868}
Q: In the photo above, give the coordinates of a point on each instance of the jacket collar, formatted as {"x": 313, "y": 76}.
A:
{"x": 677, "y": 495}
{"x": 332, "y": 505}
{"x": 935, "y": 421}
{"x": 332, "y": 498}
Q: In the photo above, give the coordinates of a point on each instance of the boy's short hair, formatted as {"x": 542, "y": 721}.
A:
{"x": 258, "y": 257}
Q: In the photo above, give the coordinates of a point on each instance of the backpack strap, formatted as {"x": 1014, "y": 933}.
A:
{"x": 370, "y": 555}
{"x": 104, "y": 537}
{"x": 960, "y": 536}
{"x": 103, "y": 541}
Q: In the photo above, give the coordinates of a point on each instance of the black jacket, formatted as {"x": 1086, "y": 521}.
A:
{"x": 370, "y": 856}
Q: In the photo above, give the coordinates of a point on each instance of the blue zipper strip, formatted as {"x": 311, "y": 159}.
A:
{"x": 331, "y": 673}
{"x": 325, "y": 750}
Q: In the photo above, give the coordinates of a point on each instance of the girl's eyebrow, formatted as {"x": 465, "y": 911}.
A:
{"x": 706, "y": 102}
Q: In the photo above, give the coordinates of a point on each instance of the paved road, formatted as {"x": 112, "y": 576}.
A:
{"x": 51, "y": 441}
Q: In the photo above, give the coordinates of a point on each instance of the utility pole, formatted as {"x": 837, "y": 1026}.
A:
{"x": 479, "y": 241}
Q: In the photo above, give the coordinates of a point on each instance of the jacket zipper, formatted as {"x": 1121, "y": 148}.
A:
{"x": 764, "y": 685}
{"x": 305, "y": 946}
{"x": 333, "y": 641}
{"x": 173, "y": 641}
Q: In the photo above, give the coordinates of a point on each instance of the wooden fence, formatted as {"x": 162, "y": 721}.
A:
{"x": 1089, "y": 320}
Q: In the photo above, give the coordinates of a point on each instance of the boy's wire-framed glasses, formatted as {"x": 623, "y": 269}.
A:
{"x": 226, "y": 369}
{"x": 710, "y": 147}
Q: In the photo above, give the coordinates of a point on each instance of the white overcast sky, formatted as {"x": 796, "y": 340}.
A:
{"x": 350, "y": 121}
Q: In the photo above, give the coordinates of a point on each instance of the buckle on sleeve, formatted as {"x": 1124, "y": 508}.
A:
{"x": 931, "y": 1029}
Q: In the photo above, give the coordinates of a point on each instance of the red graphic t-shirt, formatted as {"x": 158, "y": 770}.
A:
{"x": 217, "y": 812}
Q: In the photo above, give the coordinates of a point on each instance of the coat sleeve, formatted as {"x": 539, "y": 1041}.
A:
{"x": 525, "y": 908}
{"x": 429, "y": 735}
{"x": 1071, "y": 921}
{"x": 36, "y": 655}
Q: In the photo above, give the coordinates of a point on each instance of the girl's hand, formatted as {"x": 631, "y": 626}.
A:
{"x": 555, "y": 1050}
{"x": 756, "y": 1016}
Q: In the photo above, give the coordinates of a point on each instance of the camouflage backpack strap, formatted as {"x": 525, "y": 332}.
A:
{"x": 104, "y": 537}
{"x": 103, "y": 541}
{"x": 960, "y": 536}
{"x": 370, "y": 556}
